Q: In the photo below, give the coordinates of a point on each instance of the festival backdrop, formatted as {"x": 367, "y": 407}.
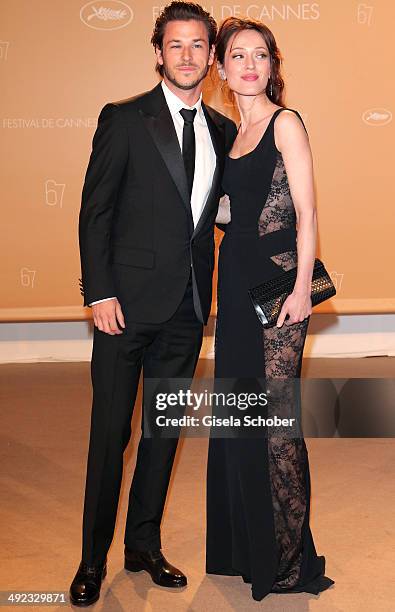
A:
{"x": 61, "y": 62}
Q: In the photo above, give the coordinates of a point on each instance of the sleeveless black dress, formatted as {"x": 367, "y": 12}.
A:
{"x": 258, "y": 490}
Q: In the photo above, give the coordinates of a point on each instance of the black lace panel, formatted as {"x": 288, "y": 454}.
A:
{"x": 283, "y": 348}
{"x": 287, "y": 456}
{"x": 279, "y": 211}
{"x": 286, "y": 260}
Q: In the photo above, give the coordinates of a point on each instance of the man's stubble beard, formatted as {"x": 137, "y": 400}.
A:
{"x": 187, "y": 86}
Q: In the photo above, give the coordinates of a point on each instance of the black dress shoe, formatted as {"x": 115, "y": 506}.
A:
{"x": 153, "y": 562}
{"x": 85, "y": 588}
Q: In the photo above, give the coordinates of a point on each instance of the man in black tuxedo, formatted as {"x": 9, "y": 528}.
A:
{"x": 146, "y": 231}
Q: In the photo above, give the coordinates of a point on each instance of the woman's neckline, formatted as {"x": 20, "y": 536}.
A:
{"x": 260, "y": 140}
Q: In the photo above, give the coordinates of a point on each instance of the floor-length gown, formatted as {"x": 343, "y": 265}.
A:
{"x": 258, "y": 490}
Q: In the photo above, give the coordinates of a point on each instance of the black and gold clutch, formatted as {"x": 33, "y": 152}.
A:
{"x": 269, "y": 297}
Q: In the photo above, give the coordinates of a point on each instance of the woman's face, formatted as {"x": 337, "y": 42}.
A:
{"x": 247, "y": 63}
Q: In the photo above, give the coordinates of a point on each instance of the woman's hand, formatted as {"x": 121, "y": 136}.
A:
{"x": 298, "y": 305}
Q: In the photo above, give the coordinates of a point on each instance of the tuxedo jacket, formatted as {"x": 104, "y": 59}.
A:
{"x": 136, "y": 233}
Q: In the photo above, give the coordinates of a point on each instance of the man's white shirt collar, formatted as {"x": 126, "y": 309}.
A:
{"x": 175, "y": 104}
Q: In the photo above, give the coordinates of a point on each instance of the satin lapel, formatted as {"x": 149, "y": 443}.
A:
{"x": 218, "y": 140}
{"x": 216, "y": 132}
{"x": 162, "y": 130}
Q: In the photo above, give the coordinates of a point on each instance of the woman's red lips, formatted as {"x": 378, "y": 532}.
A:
{"x": 250, "y": 77}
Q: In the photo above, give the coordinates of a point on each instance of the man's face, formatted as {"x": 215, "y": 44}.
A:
{"x": 185, "y": 56}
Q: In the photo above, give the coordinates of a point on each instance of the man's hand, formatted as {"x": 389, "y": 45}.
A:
{"x": 106, "y": 315}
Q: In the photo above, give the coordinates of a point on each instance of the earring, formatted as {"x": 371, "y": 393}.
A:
{"x": 222, "y": 74}
{"x": 271, "y": 86}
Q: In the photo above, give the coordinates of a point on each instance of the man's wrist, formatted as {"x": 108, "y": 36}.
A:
{"x": 103, "y": 300}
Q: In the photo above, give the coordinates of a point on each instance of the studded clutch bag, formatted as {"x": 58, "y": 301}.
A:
{"x": 269, "y": 297}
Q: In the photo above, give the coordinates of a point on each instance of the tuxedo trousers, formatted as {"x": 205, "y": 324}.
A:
{"x": 161, "y": 350}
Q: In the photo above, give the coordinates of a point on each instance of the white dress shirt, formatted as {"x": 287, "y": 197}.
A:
{"x": 205, "y": 158}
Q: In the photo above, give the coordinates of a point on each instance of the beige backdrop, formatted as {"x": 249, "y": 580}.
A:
{"x": 60, "y": 62}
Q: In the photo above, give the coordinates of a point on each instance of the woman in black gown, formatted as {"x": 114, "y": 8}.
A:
{"x": 258, "y": 490}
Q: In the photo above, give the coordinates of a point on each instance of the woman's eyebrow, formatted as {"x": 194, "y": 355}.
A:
{"x": 244, "y": 48}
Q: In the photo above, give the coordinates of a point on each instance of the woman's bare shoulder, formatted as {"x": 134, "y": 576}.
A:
{"x": 288, "y": 126}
